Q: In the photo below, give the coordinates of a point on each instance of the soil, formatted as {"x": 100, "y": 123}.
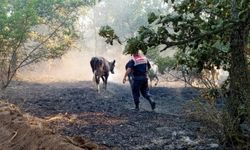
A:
{"x": 22, "y": 131}
{"x": 77, "y": 111}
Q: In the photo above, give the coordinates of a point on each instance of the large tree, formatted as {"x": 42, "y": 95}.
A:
{"x": 33, "y": 30}
{"x": 208, "y": 33}
{"x": 211, "y": 33}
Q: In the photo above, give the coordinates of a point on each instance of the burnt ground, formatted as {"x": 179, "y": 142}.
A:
{"x": 76, "y": 109}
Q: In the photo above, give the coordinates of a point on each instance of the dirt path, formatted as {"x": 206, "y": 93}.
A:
{"x": 76, "y": 109}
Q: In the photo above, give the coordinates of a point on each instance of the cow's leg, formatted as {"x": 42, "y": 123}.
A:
{"x": 215, "y": 76}
{"x": 184, "y": 75}
{"x": 98, "y": 83}
{"x": 150, "y": 82}
{"x": 94, "y": 76}
{"x": 157, "y": 80}
{"x": 94, "y": 79}
{"x": 105, "y": 81}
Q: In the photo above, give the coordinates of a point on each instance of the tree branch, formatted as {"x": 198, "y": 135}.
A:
{"x": 38, "y": 46}
{"x": 175, "y": 43}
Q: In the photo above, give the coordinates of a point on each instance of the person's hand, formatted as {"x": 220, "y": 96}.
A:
{"x": 124, "y": 80}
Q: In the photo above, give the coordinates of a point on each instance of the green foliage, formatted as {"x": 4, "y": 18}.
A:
{"x": 133, "y": 45}
{"x": 207, "y": 33}
{"x": 108, "y": 33}
{"x": 202, "y": 31}
{"x": 205, "y": 56}
{"x": 164, "y": 63}
{"x": 191, "y": 28}
{"x": 32, "y": 31}
{"x": 152, "y": 17}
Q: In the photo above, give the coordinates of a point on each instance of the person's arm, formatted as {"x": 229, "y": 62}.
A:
{"x": 126, "y": 74}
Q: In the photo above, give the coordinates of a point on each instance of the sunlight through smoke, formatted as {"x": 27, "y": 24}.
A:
{"x": 75, "y": 65}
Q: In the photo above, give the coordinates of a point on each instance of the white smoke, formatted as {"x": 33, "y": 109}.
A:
{"x": 74, "y": 65}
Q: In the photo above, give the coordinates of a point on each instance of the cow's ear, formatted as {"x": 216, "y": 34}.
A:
{"x": 114, "y": 62}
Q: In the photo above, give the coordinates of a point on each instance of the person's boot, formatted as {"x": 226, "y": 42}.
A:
{"x": 137, "y": 107}
{"x": 152, "y": 103}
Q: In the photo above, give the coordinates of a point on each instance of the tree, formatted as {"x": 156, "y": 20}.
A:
{"x": 33, "y": 31}
{"x": 208, "y": 33}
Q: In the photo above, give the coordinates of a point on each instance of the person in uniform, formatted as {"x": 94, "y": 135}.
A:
{"x": 138, "y": 66}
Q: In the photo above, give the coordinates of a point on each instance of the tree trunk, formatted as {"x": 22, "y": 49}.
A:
{"x": 239, "y": 84}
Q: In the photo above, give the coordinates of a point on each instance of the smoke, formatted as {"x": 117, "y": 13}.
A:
{"x": 74, "y": 65}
